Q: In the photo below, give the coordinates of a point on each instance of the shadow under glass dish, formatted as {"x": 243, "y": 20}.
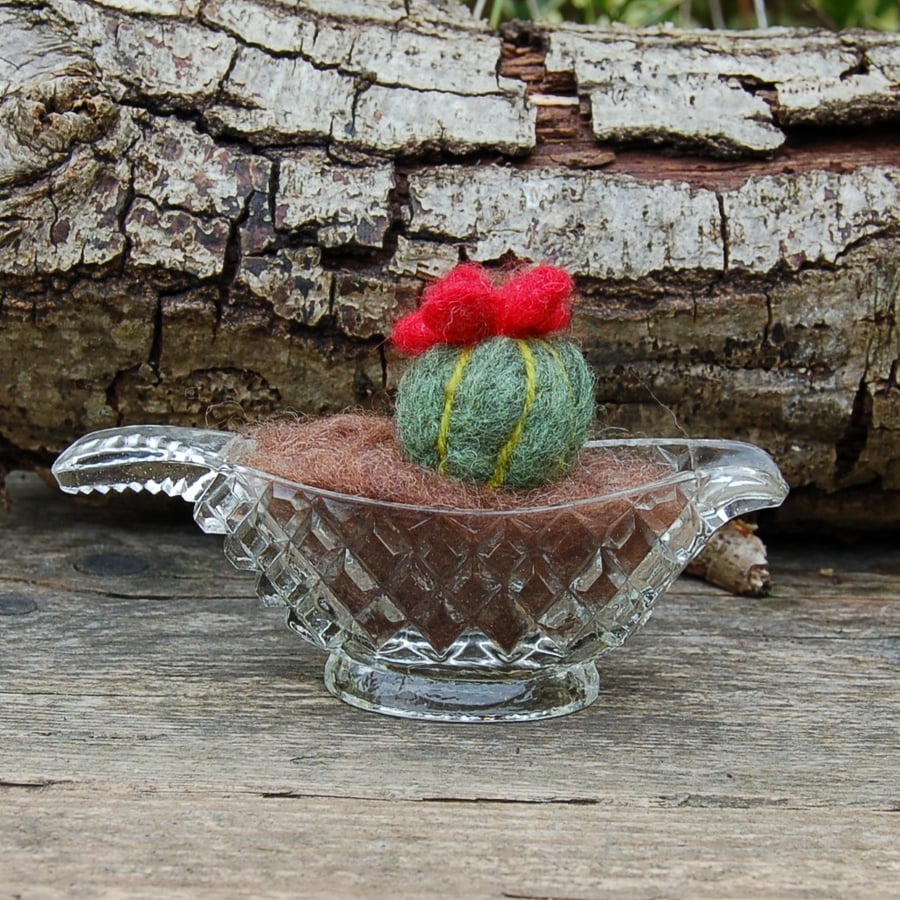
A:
{"x": 447, "y": 614}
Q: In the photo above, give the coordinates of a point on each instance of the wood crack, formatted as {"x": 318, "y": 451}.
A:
{"x": 37, "y": 785}
{"x": 692, "y": 801}
{"x": 231, "y": 260}
{"x": 723, "y": 231}
{"x": 156, "y": 341}
{"x": 478, "y": 801}
{"x": 849, "y": 448}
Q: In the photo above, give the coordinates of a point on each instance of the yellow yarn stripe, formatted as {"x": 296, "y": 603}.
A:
{"x": 505, "y": 456}
{"x": 449, "y": 399}
{"x": 562, "y": 464}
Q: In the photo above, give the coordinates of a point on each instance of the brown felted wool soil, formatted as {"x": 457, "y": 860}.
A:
{"x": 360, "y": 455}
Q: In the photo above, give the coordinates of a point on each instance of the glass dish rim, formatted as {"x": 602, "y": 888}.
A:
{"x": 360, "y": 500}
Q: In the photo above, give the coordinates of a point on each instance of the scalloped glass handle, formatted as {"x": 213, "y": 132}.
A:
{"x": 180, "y": 462}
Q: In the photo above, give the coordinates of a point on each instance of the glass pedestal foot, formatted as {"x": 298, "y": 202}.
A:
{"x": 446, "y": 694}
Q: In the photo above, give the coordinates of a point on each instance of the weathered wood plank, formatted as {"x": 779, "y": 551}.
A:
{"x": 162, "y": 639}
{"x": 161, "y": 732}
{"x": 618, "y": 227}
{"x": 144, "y": 842}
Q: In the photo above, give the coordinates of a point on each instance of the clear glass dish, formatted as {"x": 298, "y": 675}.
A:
{"x": 434, "y": 613}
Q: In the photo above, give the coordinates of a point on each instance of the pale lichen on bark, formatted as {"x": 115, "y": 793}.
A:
{"x": 730, "y": 94}
{"x": 812, "y": 217}
{"x": 245, "y": 194}
{"x": 346, "y": 204}
{"x": 598, "y": 225}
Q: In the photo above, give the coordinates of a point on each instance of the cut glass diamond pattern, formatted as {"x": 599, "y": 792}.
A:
{"x": 414, "y": 581}
{"x": 565, "y": 575}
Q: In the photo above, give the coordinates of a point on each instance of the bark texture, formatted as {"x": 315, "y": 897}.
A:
{"x": 213, "y": 209}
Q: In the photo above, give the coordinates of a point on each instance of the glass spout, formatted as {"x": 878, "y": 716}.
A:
{"x": 733, "y": 479}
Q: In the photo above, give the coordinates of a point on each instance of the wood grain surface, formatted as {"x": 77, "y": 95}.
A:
{"x": 161, "y": 734}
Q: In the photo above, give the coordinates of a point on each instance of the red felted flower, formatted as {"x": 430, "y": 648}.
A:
{"x": 461, "y": 308}
{"x": 536, "y": 302}
{"x": 465, "y": 307}
{"x": 411, "y": 335}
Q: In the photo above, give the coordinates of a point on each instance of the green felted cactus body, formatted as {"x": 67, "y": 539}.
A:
{"x": 505, "y": 412}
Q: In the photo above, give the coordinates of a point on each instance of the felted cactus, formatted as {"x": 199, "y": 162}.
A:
{"x": 491, "y": 398}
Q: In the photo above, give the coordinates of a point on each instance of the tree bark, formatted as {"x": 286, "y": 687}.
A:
{"x": 212, "y": 210}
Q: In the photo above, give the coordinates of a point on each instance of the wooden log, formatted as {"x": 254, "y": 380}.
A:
{"x": 227, "y": 225}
